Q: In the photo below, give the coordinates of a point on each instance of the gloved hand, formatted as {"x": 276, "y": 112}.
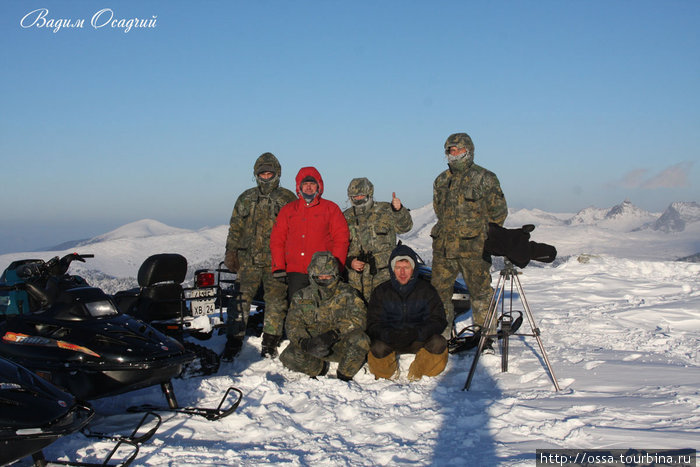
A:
{"x": 280, "y": 275}
{"x": 400, "y": 338}
{"x": 231, "y": 261}
{"x": 320, "y": 346}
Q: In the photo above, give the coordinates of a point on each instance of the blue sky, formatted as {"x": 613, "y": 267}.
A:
{"x": 570, "y": 103}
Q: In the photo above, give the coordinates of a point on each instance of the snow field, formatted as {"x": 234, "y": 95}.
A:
{"x": 619, "y": 321}
{"x": 622, "y": 337}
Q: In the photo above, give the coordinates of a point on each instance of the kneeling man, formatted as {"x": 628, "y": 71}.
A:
{"x": 405, "y": 315}
{"x": 326, "y": 323}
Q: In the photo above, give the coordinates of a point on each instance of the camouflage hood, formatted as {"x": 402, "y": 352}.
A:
{"x": 267, "y": 163}
{"x": 361, "y": 186}
{"x": 323, "y": 263}
{"x": 460, "y": 140}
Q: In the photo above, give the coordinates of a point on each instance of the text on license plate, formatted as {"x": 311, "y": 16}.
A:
{"x": 202, "y": 306}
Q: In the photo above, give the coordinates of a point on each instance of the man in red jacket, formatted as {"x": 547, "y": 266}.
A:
{"x": 303, "y": 227}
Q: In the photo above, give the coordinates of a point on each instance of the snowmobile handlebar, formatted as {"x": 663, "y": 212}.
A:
{"x": 54, "y": 267}
{"x": 64, "y": 263}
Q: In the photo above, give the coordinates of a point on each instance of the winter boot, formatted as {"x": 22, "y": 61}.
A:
{"x": 269, "y": 345}
{"x": 427, "y": 364}
{"x": 342, "y": 377}
{"x": 233, "y": 347}
{"x": 383, "y": 367}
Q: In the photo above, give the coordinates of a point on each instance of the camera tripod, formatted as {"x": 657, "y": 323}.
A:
{"x": 508, "y": 273}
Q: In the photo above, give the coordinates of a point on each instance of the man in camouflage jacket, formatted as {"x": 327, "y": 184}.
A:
{"x": 326, "y": 323}
{"x": 373, "y": 228}
{"x": 248, "y": 254}
{"x": 466, "y": 197}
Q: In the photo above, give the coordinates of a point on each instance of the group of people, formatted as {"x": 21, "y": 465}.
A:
{"x": 337, "y": 284}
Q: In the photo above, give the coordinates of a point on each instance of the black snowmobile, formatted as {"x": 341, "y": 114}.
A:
{"x": 74, "y": 336}
{"x": 177, "y": 311}
{"x": 34, "y": 413}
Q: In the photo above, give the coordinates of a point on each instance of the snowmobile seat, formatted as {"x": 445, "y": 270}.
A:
{"x": 160, "y": 278}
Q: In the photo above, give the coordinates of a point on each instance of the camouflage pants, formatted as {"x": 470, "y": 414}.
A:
{"x": 477, "y": 277}
{"x": 365, "y": 282}
{"x": 275, "y": 296}
{"x": 350, "y": 353}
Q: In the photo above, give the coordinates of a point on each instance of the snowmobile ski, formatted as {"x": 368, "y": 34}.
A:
{"x": 208, "y": 413}
{"x": 149, "y": 419}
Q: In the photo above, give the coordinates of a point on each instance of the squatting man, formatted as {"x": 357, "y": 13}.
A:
{"x": 405, "y": 315}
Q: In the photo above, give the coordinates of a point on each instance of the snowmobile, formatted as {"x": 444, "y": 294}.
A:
{"x": 34, "y": 413}
{"x": 177, "y": 311}
{"x": 74, "y": 336}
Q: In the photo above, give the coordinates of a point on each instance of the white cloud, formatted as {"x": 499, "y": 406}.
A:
{"x": 675, "y": 176}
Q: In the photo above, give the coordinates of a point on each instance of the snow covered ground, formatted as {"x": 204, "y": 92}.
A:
{"x": 620, "y": 322}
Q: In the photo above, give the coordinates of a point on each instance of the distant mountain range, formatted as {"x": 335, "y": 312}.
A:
{"x": 625, "y": 217}
{"x": 623, "y": 231}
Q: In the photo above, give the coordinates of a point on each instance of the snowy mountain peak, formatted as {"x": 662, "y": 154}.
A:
{"x": 689, "y": 211}
{"x": 138, "y": 229}
{"x": 625, "y": 209}
{"x": 590, "y": 215}
{"x": 676, "y": 217}
{"x": 622, "y": 217}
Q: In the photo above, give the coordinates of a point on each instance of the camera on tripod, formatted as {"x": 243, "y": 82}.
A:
{"x": 516, "y": 246}
{"x": 518, "y": 250}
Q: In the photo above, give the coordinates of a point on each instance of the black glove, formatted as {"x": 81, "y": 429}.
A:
{"x": 320, "y": 346}
{"x": 280, "y": 275}
{"x": 400, "y": 338}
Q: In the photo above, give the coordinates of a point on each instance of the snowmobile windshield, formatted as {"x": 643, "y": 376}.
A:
{"x": 100, "y": 308}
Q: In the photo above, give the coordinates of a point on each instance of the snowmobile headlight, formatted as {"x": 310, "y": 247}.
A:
{"x": 101, "y": 308}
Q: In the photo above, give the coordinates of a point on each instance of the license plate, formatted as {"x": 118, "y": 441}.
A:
{"x": 203, "y": 305}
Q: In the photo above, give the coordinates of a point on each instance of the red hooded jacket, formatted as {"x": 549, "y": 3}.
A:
{"x": 302, "y": 229}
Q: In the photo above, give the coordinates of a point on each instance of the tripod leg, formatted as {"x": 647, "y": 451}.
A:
{"x": 490, "y": 316}
{"x": 536, "y": 332}
{"x": 505, "y": 329}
